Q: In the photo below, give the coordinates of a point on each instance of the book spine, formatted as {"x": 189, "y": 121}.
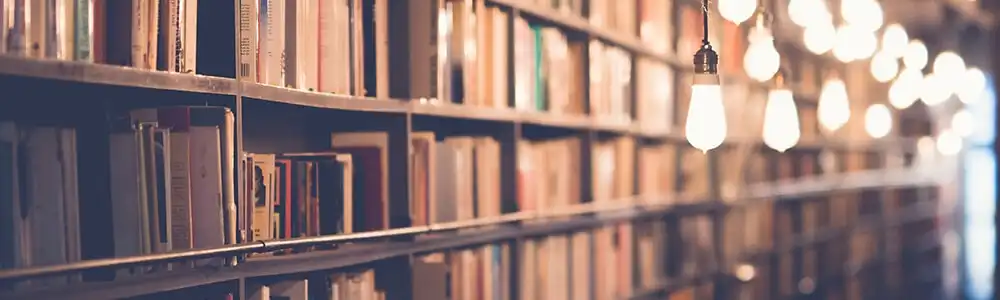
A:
{"x": 263, "y": 31}
{"x": 152, "y": 32}
{"x": 327, "y": 37}
{"x": 308, "y": 40}
{"x": 64, "y": 13}
{"x": 276, "y": 43}
{"x": 248, "y": 41}
{"x": 188, "y": 39}
{"x": 14, "y": 36}
{"x": 83, "y": 42}
{"x": 35, "y": 28}
{"x": 139, "y": 50}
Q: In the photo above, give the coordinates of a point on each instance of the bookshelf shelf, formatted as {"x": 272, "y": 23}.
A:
{"x": 82, "y": 72}
{"x": 290, "y": 96}
{"x": 348, "y": 255}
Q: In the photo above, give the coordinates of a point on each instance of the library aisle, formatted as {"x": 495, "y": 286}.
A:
{"x": 496, "y": 149}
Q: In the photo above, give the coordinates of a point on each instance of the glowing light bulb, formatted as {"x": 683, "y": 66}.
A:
{"x": 761, "y": 60}
{"x": 972, "y": 86}
{"x": 809, "y": 13}
{"x": 820, "y": 38}
{"x": 834, "y": 108}
{"x": 934, "y": 89}
{"x": 949, "y": 143}
{"x": 915, "y": 56}
{"x": 878, "y": 121}
{"x": 781, "y": 120}
{"x": 737, "y": 11}
{"x": 883, "y": 66}
{"x": 905, "y": 89}
{"x": 705, "y": 128}
{"x": 963, "y": 123}
{"x": 894, "y": 40}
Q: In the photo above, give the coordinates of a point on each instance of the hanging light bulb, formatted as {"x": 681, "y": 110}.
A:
{"x": 883, "y": 66}
{"x": 878, "y": 121}
{"x": 962, "y": 123}
{"x": 809, "y": 13}
{"x": 894, "y": 40}
{"x": 737, "y": 11}
{"x": 915, "y": 56}
{"x": 834, "y": 109}
{"x": 934, "y": 89}
{"x": 705, "y": 128}
{"x": 905, "y": 89}
{"x": 761, "y": 60}
{"x": 949, "y": 143}
{"x": 972, "y": 86}
{"x": 820, "y": 38}
{"x": 781, "y": 118}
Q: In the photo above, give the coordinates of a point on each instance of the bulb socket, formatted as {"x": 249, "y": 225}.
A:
{"x": 706, "y": 61}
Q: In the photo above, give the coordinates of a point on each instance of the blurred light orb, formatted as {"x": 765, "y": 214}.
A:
{"x": 963, "y": 123}
{"x": 867, "y": 15}
{"x": 867, "y": 43}
{"x": 916, "y": 55}
{"x": 948, "y": 142}
{"x": 878, "y": 121}
{"x": 948, "y": 63}
{"x": 905, "y": 90}
{"x": 934, "y": 89}
{"x": 846, "y": 45}
{"x": 737, "y": 11}
{"x": 820, "y": 38}
{"x": 809, "y": 13}
{"x": 883, "y": 66}
{"x": 972, "y": 86}
{"x": 894, "y": 40}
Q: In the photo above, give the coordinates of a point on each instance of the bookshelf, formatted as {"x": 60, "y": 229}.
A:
{"x": 656, "y": 219}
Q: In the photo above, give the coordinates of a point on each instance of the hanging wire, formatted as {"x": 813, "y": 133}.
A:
{"x": 704, "y": 21}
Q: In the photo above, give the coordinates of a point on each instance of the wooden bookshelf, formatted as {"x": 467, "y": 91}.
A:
{"x": 590, "y": 166}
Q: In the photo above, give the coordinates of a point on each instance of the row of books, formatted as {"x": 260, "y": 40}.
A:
{"x": 174, "y": 184}
{"x": 146, "y": 34}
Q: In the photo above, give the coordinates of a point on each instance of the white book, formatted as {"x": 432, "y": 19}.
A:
{"x": 248, "y": 24}
{"x": 275, "y": 45}
{"x": 140, "y": 33}
{"x": 189, "y": 36}
{"x": 126, "y": 194}
{"x": 46, "y": 205}
{"x": 329, "y": 63}
{"x": 206, "y": 187}
{"x": 64, "y": 35}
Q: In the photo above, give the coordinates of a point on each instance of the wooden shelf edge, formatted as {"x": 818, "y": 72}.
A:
{"x": 93, "y": 73}
{"x": 351, "y": 255}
